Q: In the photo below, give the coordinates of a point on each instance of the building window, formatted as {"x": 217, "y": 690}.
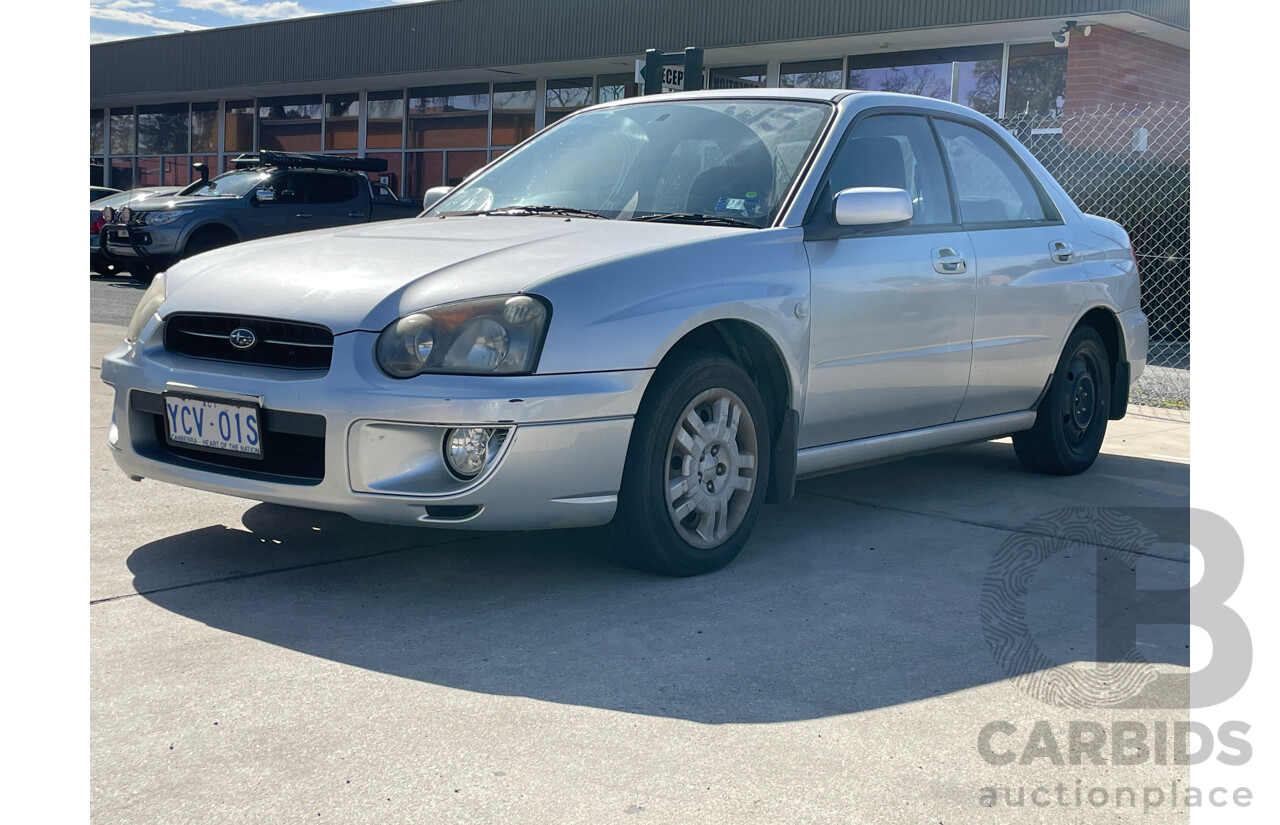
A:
{"x": 441, "y": 117}
{"x": 615, "y": 87}
{"x": 513, "y": 107}
{"x": 122, "y": 133}
{"x": 738, "y": 77}
{"x": 422, "y": 171}
{"x": 342, "y": 121}
{"x": 1037, "y": 81}
{"x": 204, "y": 127}
{"x": 121, "y": 173}
{"x": 95, "y": 132}
{"x": 968, "y": 75}
{"x": 162, "y": 130}
{"x": 238, "y": 130}
{"x": 460, "y": 164}
{"x": 289, "y": 124}
{"x": 391, "y": 177}
{"x": 812, "y": 74}
{"x": 385, "y": 126}
{"x": 568, "y": 95}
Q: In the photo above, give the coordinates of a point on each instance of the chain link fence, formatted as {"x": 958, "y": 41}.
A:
{"x": 1132, "y": 164}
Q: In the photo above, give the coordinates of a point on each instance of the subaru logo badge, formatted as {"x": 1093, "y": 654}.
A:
{"x": 243, "y": 338}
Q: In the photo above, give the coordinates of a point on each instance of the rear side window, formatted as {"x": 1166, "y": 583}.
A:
{"x": 991, "y": 184}
{"x": 330, "y": 188}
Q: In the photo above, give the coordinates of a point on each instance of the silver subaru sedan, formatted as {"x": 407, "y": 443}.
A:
{"x": 656, "y": 314}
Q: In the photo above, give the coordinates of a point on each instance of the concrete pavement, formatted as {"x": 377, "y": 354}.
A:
{"x": 253, "y": 663}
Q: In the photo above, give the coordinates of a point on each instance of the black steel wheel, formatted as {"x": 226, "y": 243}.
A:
{"x": 1072, "y": 418}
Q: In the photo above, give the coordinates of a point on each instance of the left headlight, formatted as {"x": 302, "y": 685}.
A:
{"x": 165, "y": 216}
{"x": 151, "y": 301}
{"x": 501, "y": 335}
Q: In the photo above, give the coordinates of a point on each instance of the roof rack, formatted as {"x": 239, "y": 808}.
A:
{"x": 296, "y": 160}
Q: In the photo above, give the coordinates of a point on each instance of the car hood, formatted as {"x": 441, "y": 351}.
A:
{"x": 366, "y": 277}
{"x": 160, "y": 200}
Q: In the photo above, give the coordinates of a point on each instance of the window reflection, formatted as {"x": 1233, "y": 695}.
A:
{"x": 422, "y": 171}
{"x": 738, "y": 77}
{"x": 204, "y": 127}
{"x": 513, "y": 109}
{"x": 616, "y": 87}
{"x": 385, "y": 127}
{"x": 342, "y": 121}
{"x": 95, "y": 132}
{"x": 1037, "y": 81}
{"x": 446, "y": 116}
{"x": 460, "y": 164}
{"x": 122, "y": 132}
{"x": 969, "y": 75}
{"x": 812, "y": 74}
{"x": 162, "y": 130}
{"x": 289, "y": 124}
{"x": 238, "y": 130}
{"x": 567, "y": 95}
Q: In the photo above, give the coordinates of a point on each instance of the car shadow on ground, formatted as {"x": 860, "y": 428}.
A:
{"x": 862, "y": 593}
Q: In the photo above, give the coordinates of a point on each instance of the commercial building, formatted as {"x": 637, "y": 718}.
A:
{"x": 440, "y": 88}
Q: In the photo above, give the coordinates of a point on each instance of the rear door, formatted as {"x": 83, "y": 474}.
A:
{"x": 1028, "y": 264}
{"x": 892, "y": 328}
{"x": 334, "y": 199}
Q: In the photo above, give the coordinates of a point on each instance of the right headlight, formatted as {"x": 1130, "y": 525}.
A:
{"x": 151, "y": 301}
{"x": 500, "y": 335}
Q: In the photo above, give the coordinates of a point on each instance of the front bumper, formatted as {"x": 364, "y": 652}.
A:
{"x": 369, "y": 446}
{"x": 139, "y": 242}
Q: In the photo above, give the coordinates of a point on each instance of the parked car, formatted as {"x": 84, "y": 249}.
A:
{"x": 272, "y": 193}
{"x": 655, "y": 314}
{"x": 107, "y": 205}
{"x": 99, "y": 192}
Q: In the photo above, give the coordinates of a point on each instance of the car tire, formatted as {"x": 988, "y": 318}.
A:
{"x": 696, "y": 468}
{"x": 1071, "y": 420}
{"x": 206, "y": 239}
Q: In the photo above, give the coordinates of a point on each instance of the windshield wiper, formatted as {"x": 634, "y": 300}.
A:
{"x": 697, "y": 217}
{"x": 522, "y": 209}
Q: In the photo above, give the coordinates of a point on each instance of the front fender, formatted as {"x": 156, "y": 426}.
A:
{"x": 629, "y": 313}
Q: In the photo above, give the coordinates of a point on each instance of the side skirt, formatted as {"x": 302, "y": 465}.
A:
{"x": 831, "y": 458}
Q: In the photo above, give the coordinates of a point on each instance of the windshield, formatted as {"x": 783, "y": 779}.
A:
{"x": 729, "y": 161}
{"x": 231, "y": 184}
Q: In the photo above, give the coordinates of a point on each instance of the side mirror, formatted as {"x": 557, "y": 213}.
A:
{"x": 264, "y": 195}
{"x": 872, "y": 206}
{"x": 434, "y": 195}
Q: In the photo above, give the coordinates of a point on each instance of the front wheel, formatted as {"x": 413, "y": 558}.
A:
{"x": 696, "y": 469}
{"x": 1071, "y": 420}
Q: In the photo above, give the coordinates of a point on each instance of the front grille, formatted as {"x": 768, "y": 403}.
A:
{"x": 278, "y": 343}
{"x": 292, "y": 445}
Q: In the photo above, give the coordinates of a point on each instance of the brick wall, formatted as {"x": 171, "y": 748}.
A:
{"x": 1115, "y": 67}
{"x": 1127, "y": 76}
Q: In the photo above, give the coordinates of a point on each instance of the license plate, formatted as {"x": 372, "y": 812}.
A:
{"x": 218, "y": 426}
{"x": 120, "y": 234}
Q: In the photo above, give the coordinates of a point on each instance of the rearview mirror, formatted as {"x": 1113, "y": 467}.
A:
{"x": 434, "y": 195}
{"x": 872, "y": 206}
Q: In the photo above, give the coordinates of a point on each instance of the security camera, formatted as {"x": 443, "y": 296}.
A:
{"x": 1062, "y": 39}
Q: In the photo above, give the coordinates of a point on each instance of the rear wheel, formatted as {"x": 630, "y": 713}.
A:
{"x": 696, "y": 469}
{"x": 1072, "y": 418}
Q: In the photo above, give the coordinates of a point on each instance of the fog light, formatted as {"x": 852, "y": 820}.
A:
{"x": 467, "y": 450}
{"x": 113, "y": 434}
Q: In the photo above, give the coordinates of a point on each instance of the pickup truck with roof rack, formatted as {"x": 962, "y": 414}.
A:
{"x": 270, "y": 193}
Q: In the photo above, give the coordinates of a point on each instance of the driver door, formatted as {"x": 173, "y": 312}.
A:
{"x": 891, "y": 336}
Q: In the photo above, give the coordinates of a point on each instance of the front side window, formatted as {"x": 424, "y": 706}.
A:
{"x": 898, "y": 152}
{"x": 991, "y": 185}
{"x": 730, "y": 159}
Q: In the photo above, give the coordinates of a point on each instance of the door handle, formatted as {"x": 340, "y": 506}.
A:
{"x": 303, "y": 215}
{"x": 355, "y": 214}
{"x": 1061, "y": 252}
{"x": 946, "y": 261}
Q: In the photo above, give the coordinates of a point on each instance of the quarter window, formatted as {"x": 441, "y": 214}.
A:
{"x": 991, "y": 185}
